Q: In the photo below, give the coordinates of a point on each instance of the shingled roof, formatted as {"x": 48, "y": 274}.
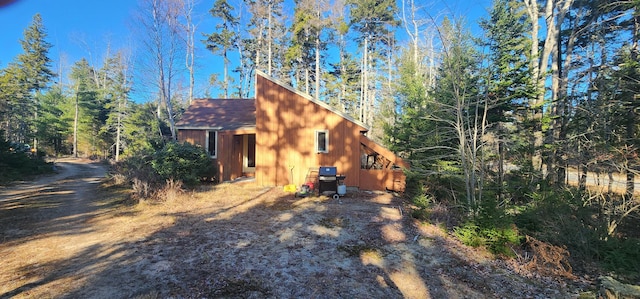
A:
{"x": 219, "y": 114}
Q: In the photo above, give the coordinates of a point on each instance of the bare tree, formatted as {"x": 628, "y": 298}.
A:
{"x": 162, "y": 40}
{"x": 553, "y": 14}
{"x": 189, "y": 28}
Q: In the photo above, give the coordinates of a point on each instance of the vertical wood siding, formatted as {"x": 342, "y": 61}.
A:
{"x": 382, "y": 179}
{"x": 229, "y": 152}
{"x": 285, "y": 135}
{"x": 197, "y": 137}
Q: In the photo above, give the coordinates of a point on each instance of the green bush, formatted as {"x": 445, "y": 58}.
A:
{"x": 491, "y": 227}
{"x": 498, "y": 240}
{"x": 469, "y": 234}
{"x": 19, "y": 164}
{"x": 174, "y": 161}
{"x": 182, "y": 161}
{"x": 622, "y": 256}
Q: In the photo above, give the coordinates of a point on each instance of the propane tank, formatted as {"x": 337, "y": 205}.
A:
{"x": 342, "y": 190}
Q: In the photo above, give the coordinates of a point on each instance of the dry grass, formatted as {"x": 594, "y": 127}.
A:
{"x": 232, "y": 240}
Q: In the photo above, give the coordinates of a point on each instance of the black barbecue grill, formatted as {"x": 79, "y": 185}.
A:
{"x": 328, "y": 179}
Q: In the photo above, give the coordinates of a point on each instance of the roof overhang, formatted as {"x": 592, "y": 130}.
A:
{"x": 208, "y": 128}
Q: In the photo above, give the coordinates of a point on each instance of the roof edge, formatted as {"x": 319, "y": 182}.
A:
{"x": 310, "y": 98}
{"x": 198, "y": 128}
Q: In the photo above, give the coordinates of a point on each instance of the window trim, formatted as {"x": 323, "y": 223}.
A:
{"x": 215, "y": 153}
{"x": 317, "y": 143}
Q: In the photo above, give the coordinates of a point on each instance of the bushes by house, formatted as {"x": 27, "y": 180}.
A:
{"x": 173, "y": 164}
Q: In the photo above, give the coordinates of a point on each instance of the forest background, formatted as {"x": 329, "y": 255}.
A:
{"x": 491, "y": 121}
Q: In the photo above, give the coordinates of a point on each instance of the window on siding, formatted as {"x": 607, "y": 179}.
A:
{"x": 322, "y": 141}
{"x": 212, "y": 143}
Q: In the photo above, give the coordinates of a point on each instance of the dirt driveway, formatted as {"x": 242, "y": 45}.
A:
{"x": 61, "y": 239}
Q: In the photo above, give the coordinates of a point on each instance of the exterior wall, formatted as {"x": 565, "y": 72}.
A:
{"x": 229, "y": 156}
{"x": 229, "y": 151}
{"x": 382, "y": 179}
{"x": 285, "y": 136}
{"x": 197, "y": 137}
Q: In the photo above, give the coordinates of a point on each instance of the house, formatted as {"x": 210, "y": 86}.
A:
{"x": 282, "y": 136}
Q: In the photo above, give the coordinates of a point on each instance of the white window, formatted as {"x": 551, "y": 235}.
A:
{"x": 322, "y": 141}
{"x": 212, "y": 143}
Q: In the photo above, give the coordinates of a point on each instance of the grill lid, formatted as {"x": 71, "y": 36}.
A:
{"x": 328, "y": 171}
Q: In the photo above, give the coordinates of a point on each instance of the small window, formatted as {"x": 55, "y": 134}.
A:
{"x": 322, "y": 141}
{"x": 212, "y": 141}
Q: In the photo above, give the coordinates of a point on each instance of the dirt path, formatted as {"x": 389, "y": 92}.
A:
{"x": 41, "y": 220}
{"x": 60, "y": 239}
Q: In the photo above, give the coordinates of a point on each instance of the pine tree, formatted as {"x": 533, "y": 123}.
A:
{"x": 53, "y": 124}
{"x": 86, "y": 108}
{"x": 15, "y": 104}
{"x": 509, "y": 84}
{"x": 116, "y": 92}
{"x": 222, "y": 41}
{"x": 373, "y": 19}
{"x": 34, "y": 62}
{"x": 459, "y": 106}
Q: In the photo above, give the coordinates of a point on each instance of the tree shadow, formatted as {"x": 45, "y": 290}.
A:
{"x": 273, "y": 245}
{"x": 30, "y": 211}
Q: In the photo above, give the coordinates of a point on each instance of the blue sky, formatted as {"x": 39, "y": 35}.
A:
{"x": 82, "y": 28}
{"x": 67, "y": 23}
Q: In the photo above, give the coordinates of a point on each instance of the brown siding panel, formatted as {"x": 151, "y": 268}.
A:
{"x": 285, "y": 133}
{"x": 382, "y": 179}
{"x": 197, "y": 137}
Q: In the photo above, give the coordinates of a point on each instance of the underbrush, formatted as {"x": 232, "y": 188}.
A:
{"x": 564, "y": 219}
{"x": 18, "y": 165}
{"x": 554, "y": 231}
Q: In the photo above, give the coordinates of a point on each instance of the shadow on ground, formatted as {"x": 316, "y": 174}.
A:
{"x": 269, "y": 244}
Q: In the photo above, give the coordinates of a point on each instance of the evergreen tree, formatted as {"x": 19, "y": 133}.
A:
{"x": 53, "y": 123}
{"x": 116, "y": 92}
{"x": 343, "y": 84}
{"x": 509, "y": 85}
{"x": 459, "y": 106}
{"x": 141, "y": 130}
{"x": 222, "y": 41}
{"x": 414, "y": 135}
{"x": 34, "y": 62}
{"x": 15, "y": 104}
{"x": 373, "y": 19}
{"x": 86, "y": 116}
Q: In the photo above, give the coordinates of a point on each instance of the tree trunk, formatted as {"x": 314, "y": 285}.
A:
{"x": 363, "y": 95}
{"x": 318, "y": 75}
{"x": 582, "y": 182}
{"x": 75, "y": 127}
{"x": 631, "y": 118}
{"x": 535, "y": 103}
{"x": 226, "y": 73}
{"x": 270, "y": 39}
{"x": 501, "y": 156}
{"x": 118, "y": 129}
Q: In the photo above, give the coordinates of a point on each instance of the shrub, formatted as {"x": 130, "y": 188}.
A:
{"x": 181, "y": 161}
{"x": 561, "y": 218}
{"x": 18, "y": 164}
{"x": 497, "y": 239}
{"x": 491, "y": 227}
{"x": 174, "y": 162}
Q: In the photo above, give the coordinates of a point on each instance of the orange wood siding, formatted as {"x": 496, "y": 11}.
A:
{"x": 285, "y": 136}
{"x": 229, "y": 150}
{"x": 382, "y": 179}
{"x": 197, "y": 137}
